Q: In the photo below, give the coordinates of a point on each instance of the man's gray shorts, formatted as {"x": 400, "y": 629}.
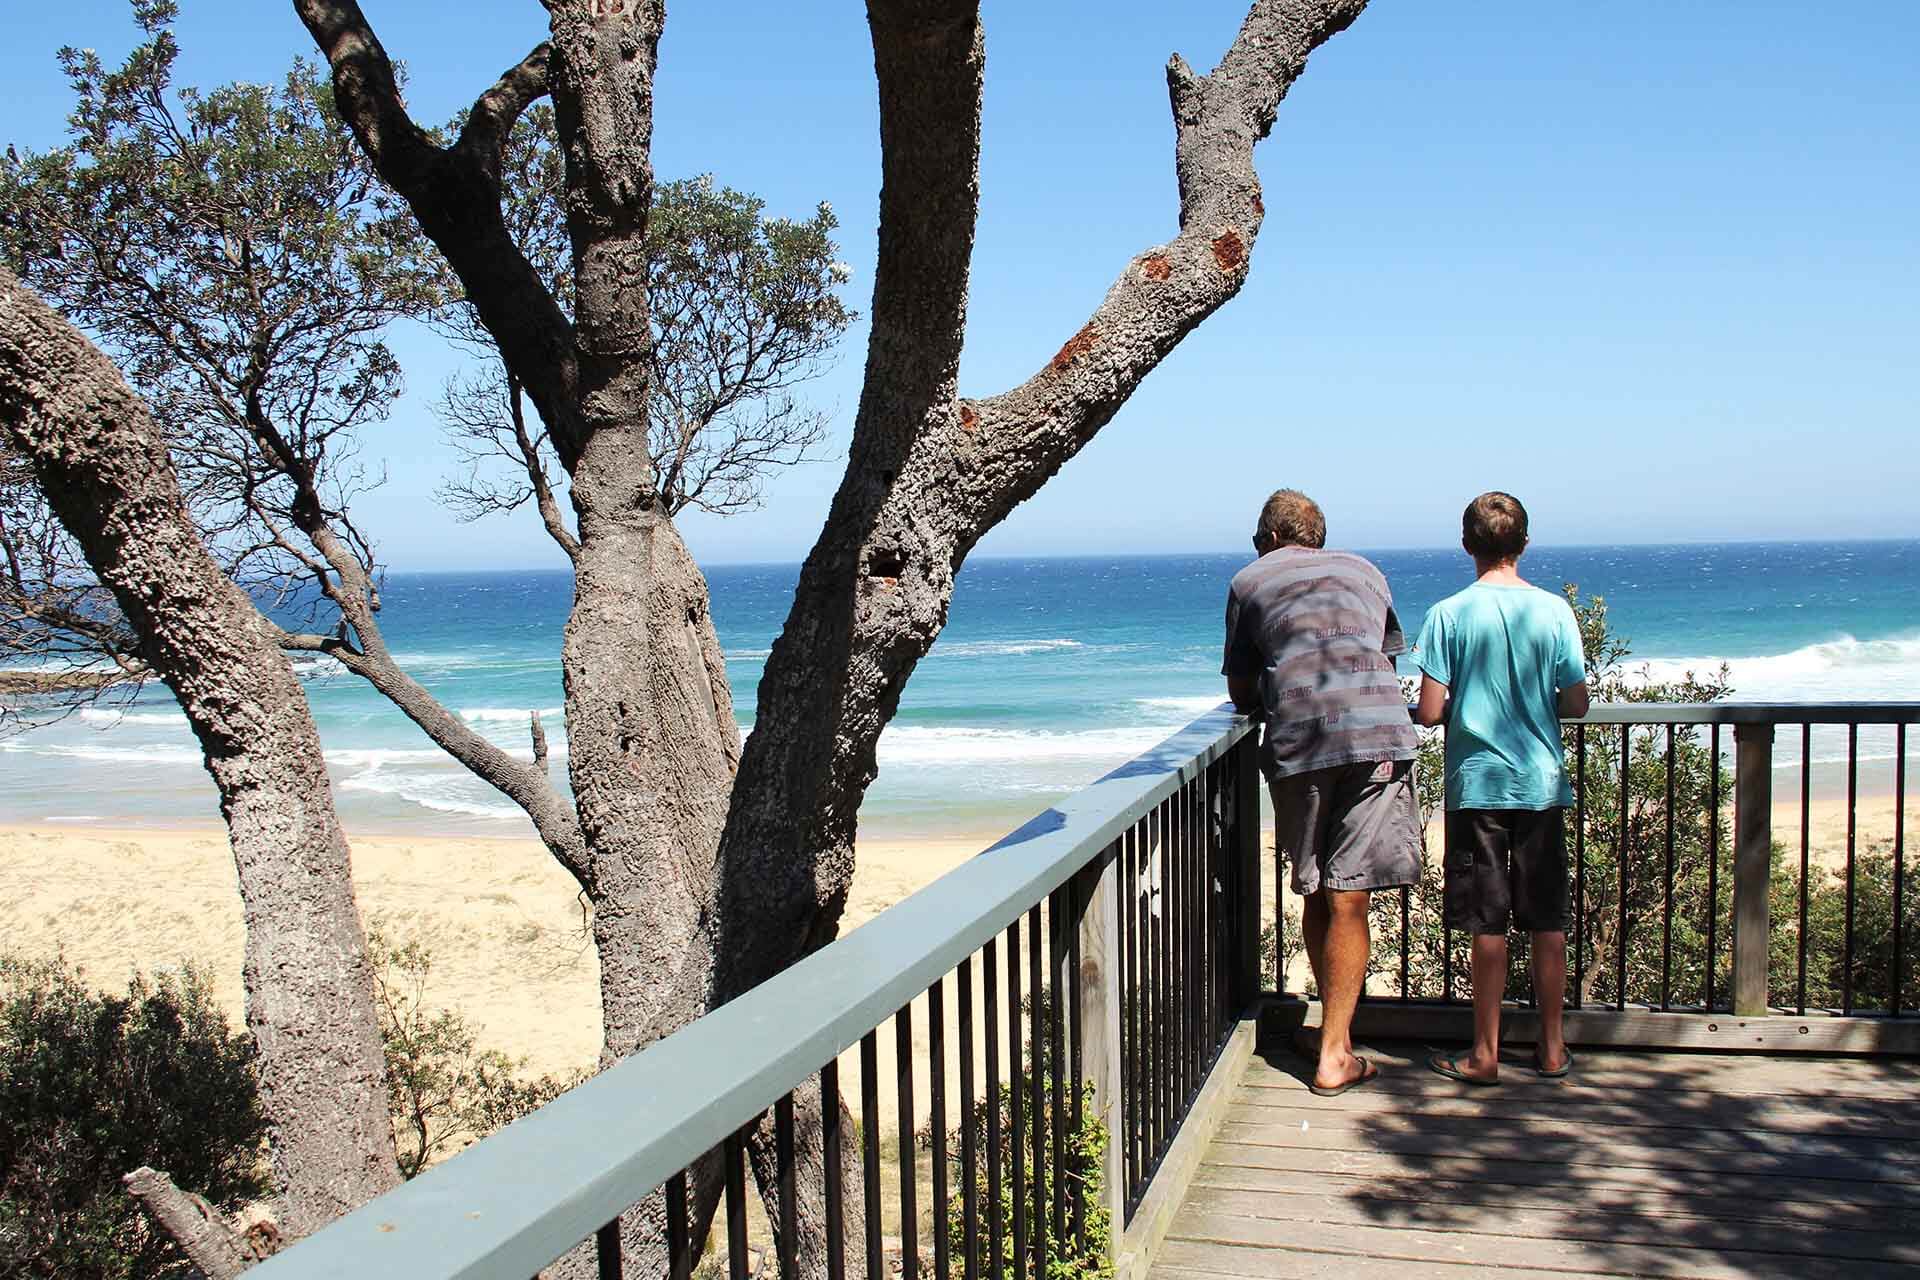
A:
{"x": 1354, "y": 826}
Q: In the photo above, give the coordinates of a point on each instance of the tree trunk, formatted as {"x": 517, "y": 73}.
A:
{"x": 103, "y": 464}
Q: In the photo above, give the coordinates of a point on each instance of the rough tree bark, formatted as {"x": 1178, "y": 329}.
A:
{"x": 928, "y": 473}
{"x": 709, "y": 872}
{"x": 103, "y": 464}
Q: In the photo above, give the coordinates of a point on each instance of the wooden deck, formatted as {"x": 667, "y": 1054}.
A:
{"x": 1640, "y": 1164}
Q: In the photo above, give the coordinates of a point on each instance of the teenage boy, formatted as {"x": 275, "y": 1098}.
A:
{"x": 1311, "y": 638}
{"x": 1500, "y": 665}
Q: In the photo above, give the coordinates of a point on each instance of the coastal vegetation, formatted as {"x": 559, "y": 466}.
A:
{"x": 265, "y": 247}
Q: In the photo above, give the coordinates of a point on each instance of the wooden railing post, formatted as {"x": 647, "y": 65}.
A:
{"x": 1242, "y": 840}
{"x": 1099, "y": 983}
{"x": 1752, "y": 865}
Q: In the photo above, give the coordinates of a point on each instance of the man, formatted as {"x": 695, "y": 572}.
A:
{"x": 1500, "y": 663}
{"x": 1311, "y": 639}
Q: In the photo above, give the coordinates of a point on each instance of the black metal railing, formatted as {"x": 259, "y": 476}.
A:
{"x": 1672, "y": 847}
{"x": 1085, "y": 972}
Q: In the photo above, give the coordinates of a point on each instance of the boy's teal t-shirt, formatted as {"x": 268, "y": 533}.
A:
{"x": 1503, "y": 652}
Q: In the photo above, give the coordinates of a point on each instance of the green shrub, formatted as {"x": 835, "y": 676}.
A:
{"x": 1086, "y": 1148}
{"x": 443, "y": 1090}
{"x": 97, "y": 1085}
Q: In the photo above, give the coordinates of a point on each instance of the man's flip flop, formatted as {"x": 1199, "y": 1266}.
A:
{"x": 1367, "y": 1072}
{"x": 1448, "y": 1065}
{"x": 1555, "y": 1074}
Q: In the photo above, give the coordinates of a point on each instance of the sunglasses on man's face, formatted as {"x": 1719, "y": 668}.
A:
{"x": 1259, "y": 541}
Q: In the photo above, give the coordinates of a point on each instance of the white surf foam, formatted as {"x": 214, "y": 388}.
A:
{"x": 507, "y": 715}
{"x": 936, "y": 745}
{"x": 108, "y": 716}
{"x": 1844, "y": 669}
{"x": 1192, "y": 707}
{"x": 437, "y": 791}
{"x": 1001, "y": 648}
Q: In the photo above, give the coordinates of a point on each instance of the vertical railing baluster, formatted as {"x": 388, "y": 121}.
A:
{"x": 1017, "y": 1066}
{"x": 788, "y": 1240}
{"x": 1072, "y": 973}
{"x": 996, "y": 1249}
{"x": 1806, "y": 846}
{"x": 835, "y": 1192}
{"x": 1579, "y": 862}
{"x": 1128, "y": 1134}
{"x": 1899, "y": 865}
{"x": 1157, "y": 1010}
{"x": 1197, "y": 934}
{"x": 969, "y": 1146}
{"x": 1170, "y": 981}
{"x": 1624, "y": 845}
{"x": 1713, "y": 864}
{"x": 1174, "y": 899}
{"x": 1406, "y": 928}
{"x": 1853, "y": 800}
{"x": 734, "y": 1165}
{"x": 1666, "y": 933}
{"x": 679, "y": 1249}
{"x": 909, "y": 1164}
{"x": 606, "y": 1247}
{"x": 870, "y": 1149}
{"x": 1060, "y": 921}
{"x": 1037, "y": 1001}
{"x": 937, "y": 1124}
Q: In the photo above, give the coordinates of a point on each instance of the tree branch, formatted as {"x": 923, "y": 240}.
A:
{"x": 494, "y": 112}
{"x": 209, "y": 1243}
{"x": 1023, "y": 436}
{"x": 456, "y": 198}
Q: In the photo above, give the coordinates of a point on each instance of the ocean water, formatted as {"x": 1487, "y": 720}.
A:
{"x": 1050, "y": 672}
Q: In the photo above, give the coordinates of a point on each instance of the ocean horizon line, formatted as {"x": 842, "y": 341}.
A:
{"x": 1087, "y": 557}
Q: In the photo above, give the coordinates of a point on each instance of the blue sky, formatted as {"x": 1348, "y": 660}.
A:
{"x": 1653, "y": 267}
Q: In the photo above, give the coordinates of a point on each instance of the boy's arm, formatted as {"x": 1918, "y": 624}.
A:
{"x": 1573, "y": 701}
{"x": 1432, "y": 707}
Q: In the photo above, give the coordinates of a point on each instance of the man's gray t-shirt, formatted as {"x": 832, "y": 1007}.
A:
{"x": 1318, "y": 629}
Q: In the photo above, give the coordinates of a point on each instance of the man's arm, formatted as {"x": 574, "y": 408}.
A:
{"x": 1432, "y": 708}
{"x": 1245, "y": 692}
{"x": 1572, "y": 702}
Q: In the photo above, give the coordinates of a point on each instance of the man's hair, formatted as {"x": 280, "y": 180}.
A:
{"x": 1292, "y": 519}
{"x": 1494, "y": 527}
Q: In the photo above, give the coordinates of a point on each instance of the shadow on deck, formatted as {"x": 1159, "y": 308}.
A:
{"x": 1639, "y": 1164}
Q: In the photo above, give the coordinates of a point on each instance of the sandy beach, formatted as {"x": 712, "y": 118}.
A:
{"x": 504, "y": 923}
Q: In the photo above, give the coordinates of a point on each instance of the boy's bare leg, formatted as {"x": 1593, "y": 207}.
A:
{"x": 1550, "y": 991}
{"x": 1489, "y": 986}
{"x": 1343, "y": 970}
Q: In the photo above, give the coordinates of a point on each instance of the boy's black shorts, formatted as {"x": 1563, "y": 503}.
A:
{"x": 1506, "y": 865}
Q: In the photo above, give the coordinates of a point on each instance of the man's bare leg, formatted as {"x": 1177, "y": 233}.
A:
{"x": 1489, "y": 987}
{"x": 1550, "y": 992}
{"x": 1313, "y": 934}
{"x": 1342, "y": 973}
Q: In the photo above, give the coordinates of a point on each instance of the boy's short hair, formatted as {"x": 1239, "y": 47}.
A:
{"x": 1292, "y": 519}
{"x": 1494, "y": 527}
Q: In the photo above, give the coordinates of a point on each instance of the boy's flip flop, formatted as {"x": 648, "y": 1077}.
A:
{"x": 1448, "y": 1065}
{"x": 1540, "y": 1067}
{"x": 1368, "y": 1072}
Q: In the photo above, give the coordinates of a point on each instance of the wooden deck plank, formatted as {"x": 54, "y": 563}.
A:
{"x": 1644, "y": 1164}
{"x": 1412, "y": 1138}
{"x": 1218, "y": 1262}
{"x": 1859, "y": 1079}
{"x": 1472, "y": 1125}
{"x": 1775, "y": 1113}
{"x": 1560, "y": 1224}
{"x": 1367, "y": 1164}
{"x": 1653, "y": 1199}
{"x": 1366, "y": 1253}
